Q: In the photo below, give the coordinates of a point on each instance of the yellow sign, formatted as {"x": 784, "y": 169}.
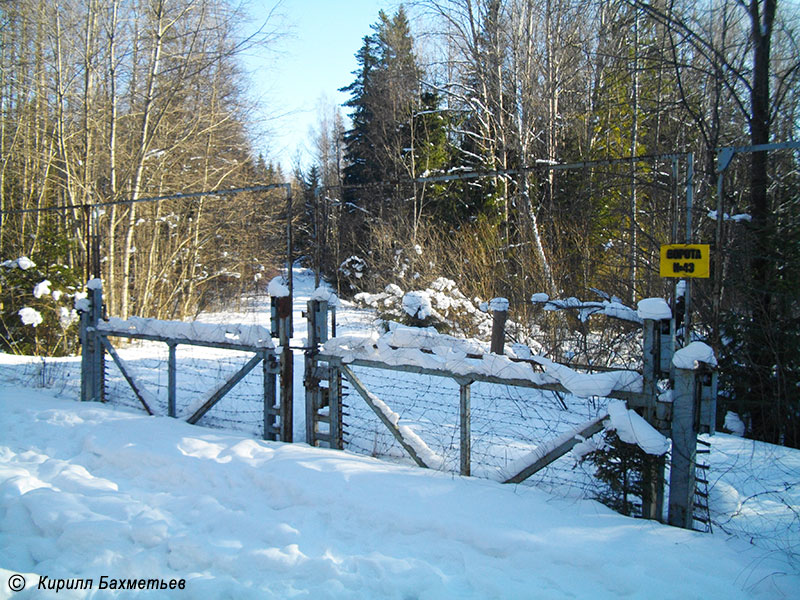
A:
{"x": 686, "y": 260}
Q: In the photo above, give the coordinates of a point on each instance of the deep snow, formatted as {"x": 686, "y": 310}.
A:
{"x": 88, "y": 490}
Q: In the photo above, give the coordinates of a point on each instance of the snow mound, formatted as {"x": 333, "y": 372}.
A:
{"x": 417, "y": 305}
{"x": 88, "y": 491}
{"x": 734, "y": 424}
{"x": 633, "y": 429}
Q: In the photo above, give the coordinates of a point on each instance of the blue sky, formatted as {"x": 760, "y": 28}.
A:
{"x": 311, "y": 62}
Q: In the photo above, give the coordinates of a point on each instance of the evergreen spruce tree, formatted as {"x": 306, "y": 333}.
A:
{"x": 620, "y": 467}
{"x": 389, "y": 143}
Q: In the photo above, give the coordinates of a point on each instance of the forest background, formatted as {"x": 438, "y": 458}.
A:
{"x": 449, "y": 166}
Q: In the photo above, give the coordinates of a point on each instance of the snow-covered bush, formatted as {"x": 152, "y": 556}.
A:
{"x": 594, "y": 332}
{"x": 351, "y": 274}
{"x": 440, "y": 305}
{"x": 621, "y": 468}
{"x": 36, "y": 308}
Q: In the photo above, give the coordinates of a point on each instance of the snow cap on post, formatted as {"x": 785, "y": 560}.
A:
{"x": 693, "y": 355}
{"x": 277, "y": 287}
{"x": 656, "y": 309}
{"x": 540, "y": 298}
{"x": 498, "y": 305}
{"x": 325, "y": 294}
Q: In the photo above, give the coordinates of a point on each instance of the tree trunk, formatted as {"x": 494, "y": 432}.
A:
{"x": 142, "y": 151}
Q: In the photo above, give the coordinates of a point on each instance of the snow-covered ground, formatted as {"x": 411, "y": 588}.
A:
{"x": 90, "y": 491}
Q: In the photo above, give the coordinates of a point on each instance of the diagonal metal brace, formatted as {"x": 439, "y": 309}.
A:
{"x": 370, "y": 398}
{"x": 560, "y": 446}
{"x": 131, "y": 381}
{"x": 227, "y": 387}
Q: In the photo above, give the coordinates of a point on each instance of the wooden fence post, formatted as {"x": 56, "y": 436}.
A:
{"x": 499, "y": 308}
{"x": 282, "y": 326}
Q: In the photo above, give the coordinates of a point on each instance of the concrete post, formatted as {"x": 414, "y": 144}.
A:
{"x": 684, "y": 449}
{"x": 653, "y": 484}
{"x": 92, "y": 364}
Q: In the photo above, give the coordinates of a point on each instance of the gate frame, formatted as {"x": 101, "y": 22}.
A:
{"x": 681, "y": 416}
{"x": 94, "y": 333}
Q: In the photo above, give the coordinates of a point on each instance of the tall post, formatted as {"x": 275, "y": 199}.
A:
{"x": 317, "y": 319}
{"x": 687, "y": 306}
{"x": 684, "y": 449}
{"x": 289, "y": 250}
{"x": 86, "y": 356}
{"x": 652, "y": 371}
{"x": 282, "y": 319}
{"x": 464, "y": 414}
{"x": 716, "y": 306}
{"x": 92, "y": 364}
{"x": 172, "y": 380}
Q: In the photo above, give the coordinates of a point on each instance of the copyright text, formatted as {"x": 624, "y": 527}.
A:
{"x": 108, "y": 583}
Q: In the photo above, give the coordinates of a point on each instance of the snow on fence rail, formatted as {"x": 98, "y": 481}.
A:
{"x": 232, "y": 336}
{"x": 461, "y": 433}
{"x": 242, "y": 349}
{"x": 332, "y": 363}
{"x": 426, "y": 351}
